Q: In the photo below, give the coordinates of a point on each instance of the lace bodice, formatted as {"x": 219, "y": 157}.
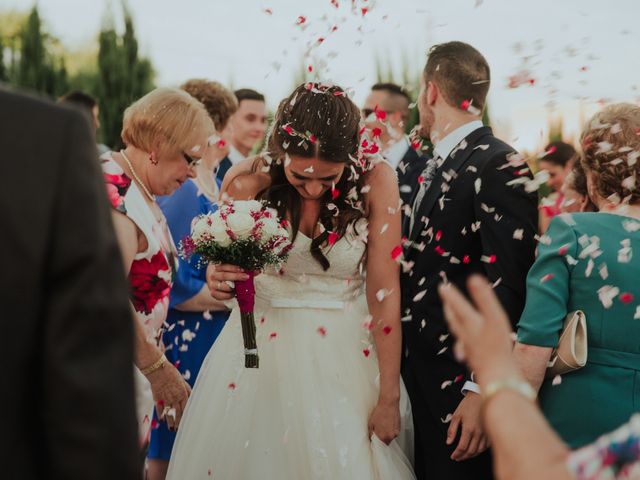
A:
{"x": 302, "y": 278}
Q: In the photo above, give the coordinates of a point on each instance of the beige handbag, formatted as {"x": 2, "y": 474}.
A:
{"x": 571, "y": 352}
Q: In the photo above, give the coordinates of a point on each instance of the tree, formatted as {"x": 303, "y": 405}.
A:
{"x": 38, "y": 68}
{"x": 3, "y": 68}
{"x": 123, "y": 76}
{"x": 555, "y": 129}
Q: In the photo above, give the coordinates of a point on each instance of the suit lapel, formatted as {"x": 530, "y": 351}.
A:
{"x": 454, "y": 162}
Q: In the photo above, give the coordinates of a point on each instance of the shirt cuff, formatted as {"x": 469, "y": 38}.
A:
{"x": 470, "y": 387}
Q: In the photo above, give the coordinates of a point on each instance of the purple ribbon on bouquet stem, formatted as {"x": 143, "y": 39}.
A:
{"x": 246, "y": 295}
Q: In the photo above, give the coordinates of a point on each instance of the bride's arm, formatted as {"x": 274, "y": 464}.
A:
{"x": 383, "y": 281}
{"x": 241, "y": 182}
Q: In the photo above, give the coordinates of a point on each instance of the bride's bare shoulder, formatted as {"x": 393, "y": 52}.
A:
{"x": 245, "y": 180}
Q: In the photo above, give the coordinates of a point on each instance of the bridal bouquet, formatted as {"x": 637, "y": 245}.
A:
{"x": 246, "y": 234}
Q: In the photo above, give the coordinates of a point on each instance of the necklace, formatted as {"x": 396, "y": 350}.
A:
{"x": 136, "y": 178}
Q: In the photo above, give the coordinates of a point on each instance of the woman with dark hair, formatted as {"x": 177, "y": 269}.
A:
{"x": 327, "y": 400}
{"x": 557, "y": 161}
{"x": 575, "y": 194}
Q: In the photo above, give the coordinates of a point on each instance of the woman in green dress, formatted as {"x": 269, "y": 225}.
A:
{"x": 591, "y": 262}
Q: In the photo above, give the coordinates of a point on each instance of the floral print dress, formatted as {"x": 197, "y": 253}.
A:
{"x": 151, "y": 273}
{"x": 613, "y": 456}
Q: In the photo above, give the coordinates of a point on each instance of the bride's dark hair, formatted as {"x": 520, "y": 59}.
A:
{"x": 316, "y": 121}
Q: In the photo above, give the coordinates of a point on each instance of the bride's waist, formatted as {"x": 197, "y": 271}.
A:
{"x": 324, "y": 297}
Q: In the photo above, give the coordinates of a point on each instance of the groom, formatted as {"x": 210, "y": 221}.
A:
{"x": 470, "y": 214}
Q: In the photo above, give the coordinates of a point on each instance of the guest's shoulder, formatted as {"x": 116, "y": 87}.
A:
{"x": 594, "y": 222}
{"x": 37, "y": 111}
{"x": 188, "y": 191}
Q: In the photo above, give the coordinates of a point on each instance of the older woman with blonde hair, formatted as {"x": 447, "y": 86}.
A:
{"x": 586, "y": 262}
{"x": 195, "y": 318}
{"x": 165, "y": 134}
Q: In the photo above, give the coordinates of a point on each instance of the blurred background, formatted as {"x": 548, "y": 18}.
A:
{"x": 554, "y": 62}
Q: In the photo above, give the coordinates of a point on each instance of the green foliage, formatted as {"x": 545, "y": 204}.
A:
{"x": 246, "y": 254}
{"x": 555, "y": 129}
{"x": 3, "y": 69}
{"x": 123, "y": 77}
{"x": 34, "y": 64}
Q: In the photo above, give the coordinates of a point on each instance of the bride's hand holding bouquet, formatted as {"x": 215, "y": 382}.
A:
{"x": 237, "y": 241}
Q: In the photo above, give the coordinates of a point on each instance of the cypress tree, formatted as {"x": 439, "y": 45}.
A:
{"x": 123, "y": 76}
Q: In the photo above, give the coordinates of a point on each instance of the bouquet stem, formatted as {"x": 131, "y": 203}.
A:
{"x": 251, "y": 359}
{"x": 246, "y": 295}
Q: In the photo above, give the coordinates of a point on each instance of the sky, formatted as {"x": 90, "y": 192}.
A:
{"x": 578, "y": 53}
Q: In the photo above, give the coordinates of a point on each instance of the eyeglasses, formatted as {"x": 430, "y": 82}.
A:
{"x": 191, "y": 161}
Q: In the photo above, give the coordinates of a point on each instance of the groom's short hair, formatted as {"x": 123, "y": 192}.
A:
{"x": 461, "y": 73}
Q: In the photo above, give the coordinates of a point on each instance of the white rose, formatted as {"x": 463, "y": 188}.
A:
{"x": 218, "y": 229}
{"x": 241, "y": 224}
{"x": 270, "y": 227}
{"x": 245, "y": 206}
{"x": 200, "y": 229}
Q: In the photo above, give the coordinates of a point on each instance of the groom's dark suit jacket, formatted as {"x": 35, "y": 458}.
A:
{"x": 67, "y": 339}
{"x": 408, "y": 171}
{"x": 475, "y": 217}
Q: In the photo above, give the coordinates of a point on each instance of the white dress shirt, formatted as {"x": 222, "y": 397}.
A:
{"x": 444, "y": 147}
{"x": 234, "y": 155}
{"x": 396, "y": 152}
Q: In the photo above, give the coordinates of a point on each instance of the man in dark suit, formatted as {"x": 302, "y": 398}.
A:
{"x": 471, "y": 213}
{"x": 386, "y": 111}
{"x": 68, "y": 398}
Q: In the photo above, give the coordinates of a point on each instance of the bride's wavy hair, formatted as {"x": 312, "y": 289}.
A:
{"x": 316, "y": 121}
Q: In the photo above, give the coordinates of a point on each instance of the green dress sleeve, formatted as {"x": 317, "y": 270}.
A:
{"x": 548, "y": 285}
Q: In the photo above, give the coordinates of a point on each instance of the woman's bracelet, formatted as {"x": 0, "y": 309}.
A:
{"x": 157, "y": 365}
{"x": 513, "y": 384}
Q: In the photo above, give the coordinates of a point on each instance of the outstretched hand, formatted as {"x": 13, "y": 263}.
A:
{"x": 483, "y": 332}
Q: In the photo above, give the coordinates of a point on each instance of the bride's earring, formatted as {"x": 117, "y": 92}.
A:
{"x": 153, "y": 159}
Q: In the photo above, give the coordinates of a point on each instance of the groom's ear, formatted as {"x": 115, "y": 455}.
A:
{"x": 433, "y": 92}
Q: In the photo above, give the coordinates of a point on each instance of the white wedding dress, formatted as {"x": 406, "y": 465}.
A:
{"x": 303, "y": 414}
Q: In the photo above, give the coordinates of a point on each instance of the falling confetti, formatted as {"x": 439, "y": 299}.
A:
{"x": 606, "y": 295}
{"x": 626, "y": 298}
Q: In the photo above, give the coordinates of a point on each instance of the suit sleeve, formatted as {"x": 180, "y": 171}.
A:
{"x": 88, "y": 401}
{"x": 508, "y": 217}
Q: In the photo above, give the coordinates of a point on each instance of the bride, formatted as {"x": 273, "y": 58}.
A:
{"x": 327, "y": 401}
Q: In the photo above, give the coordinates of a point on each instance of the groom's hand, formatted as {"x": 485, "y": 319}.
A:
{"x": 467, "y": 418}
